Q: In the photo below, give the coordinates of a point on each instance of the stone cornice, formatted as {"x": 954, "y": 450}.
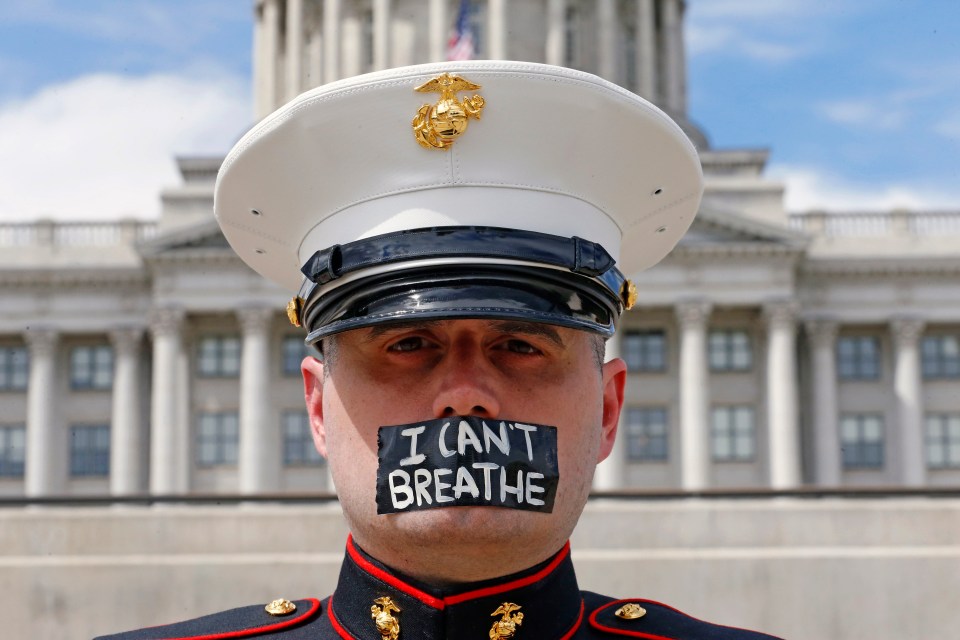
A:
{"x": 737, "y": 250}
{"x": 873, "y": 267}
{"x": 80, "y": 277}
{"x": 207, "y": 255}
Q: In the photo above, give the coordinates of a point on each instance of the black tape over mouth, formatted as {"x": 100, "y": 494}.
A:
{"x": 466, "y": 461}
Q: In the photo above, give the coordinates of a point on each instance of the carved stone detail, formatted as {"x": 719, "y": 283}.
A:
{"x": 166, "y": 321}
{"x": 42, "y": 341}
{"x": 906, "y": 330}
{"x": 693, "y": 313}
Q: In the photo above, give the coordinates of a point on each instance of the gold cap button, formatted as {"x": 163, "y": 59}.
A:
{"x": 280, "y": 607}
{"x": 630, "y": 611}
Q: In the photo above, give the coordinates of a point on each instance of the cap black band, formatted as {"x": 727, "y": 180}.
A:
{"x": 576, "y": 254}
{"x": 577, "y": 285}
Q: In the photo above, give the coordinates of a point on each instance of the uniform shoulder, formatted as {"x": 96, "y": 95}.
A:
{"x": 642, "y": 618}
{"x": 277, "y": 618}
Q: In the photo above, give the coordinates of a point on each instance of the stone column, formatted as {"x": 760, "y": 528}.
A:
{"x": 46, "y": 457}
{"x": 270, "y": 30}
{"x": 125, "y": 428}
{"x": 497, "y": 21}
{"x": 258, "y": 58}
{"x": 672, "y": 52}
{"x": 909, "y": 398}
{"x": 439, "y": 30}
{"x": 259, "y": 434}
{"x": 646, "y": 50}
{"x": 693, "y": 316}
{"x": 826, "y": 436}
{"x": 607, "y": 39}
{"x": 381, "y": 34}
{"x": 782, "y": 424}
{"x": 331, "y": 40}
{"x": 611, "y": 473}
{"x": 556, "y": 19}
{"x": 294, "y": 49}
{"x": 166, "y": 432}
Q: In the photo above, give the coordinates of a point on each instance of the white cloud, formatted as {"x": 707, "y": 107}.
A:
{"x": 709, "y": 39}
{"x": 876, "y": 113}
{"x": 949, "y": 126}
{"x": 754, "y": 10}
{"x": 810, "y": 188}
{"x": 167, "y": 24}
{"x": 103, "y": 146}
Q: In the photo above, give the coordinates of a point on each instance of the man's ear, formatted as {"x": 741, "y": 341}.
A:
{"x": 614, "y": 379}
{"x": 312, "y": 370}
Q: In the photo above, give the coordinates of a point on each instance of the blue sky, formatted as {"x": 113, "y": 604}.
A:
{"x": 856, "y": 99}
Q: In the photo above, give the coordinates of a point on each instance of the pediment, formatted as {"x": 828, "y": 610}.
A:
{"x": 714, "y": 227}
{"x": 202, "y": 237}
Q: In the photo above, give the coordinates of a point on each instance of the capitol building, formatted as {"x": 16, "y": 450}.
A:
{"x": 788, "y": 457}
{"x": 771, "y": 350}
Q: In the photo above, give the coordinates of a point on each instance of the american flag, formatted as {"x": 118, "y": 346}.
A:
{"x": 460, "y": 45}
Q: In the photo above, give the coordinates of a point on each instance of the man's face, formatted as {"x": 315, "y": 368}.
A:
{"x": 505, "y": 370}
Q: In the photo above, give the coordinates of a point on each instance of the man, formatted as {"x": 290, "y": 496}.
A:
{"x": 459, "y": 261}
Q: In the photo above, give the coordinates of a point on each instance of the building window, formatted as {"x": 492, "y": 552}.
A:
{"x": 91, "y": 367}
{"x": 861, "y": 441}
{"x": 943, "y": 441}
{"x": 294, "y": 351}
{"x": 90, "y": 450}
{"x": 14, "y": 368}
{"x": 298, "y": 446}
{"x": 219, "y": 357}
{"x": 12, "y": 450}
{"x": 571, "y": 38}
{"x": 732, "y": 433}
{"x": 647, "y": 431}
{"x": 941, "y": 356}
{"x": 645, "y": 350}
{"x": 366, "y": 39}
{"x": 218, "y": 437}
{"x": 730, "y": 350}
{"x": 858, "y": 358}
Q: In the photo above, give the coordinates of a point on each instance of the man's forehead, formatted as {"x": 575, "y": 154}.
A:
{"x": 550, "y": 332}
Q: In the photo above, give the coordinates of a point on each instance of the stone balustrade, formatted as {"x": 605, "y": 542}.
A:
{"x": 863, "y": 224}
{"x": 50, "y": 233}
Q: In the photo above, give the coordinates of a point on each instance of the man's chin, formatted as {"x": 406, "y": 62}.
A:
{"x": 469, "y": 524}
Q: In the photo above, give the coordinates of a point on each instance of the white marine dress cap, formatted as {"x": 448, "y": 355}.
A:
{"x": 477, "y": 189}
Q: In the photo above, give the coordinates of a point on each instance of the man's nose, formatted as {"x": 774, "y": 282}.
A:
{"x": 468, "y": 386}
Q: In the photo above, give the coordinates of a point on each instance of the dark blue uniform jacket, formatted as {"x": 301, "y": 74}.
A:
{"x": 547, "y": 596}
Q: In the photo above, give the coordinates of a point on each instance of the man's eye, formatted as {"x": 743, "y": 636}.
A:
{"x": 521, "y": 346}
{"x": 411, "y": 343}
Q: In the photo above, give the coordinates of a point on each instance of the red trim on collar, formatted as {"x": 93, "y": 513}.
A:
{"x": 270, "y": 628}
{"x": 514, "y": 584}
{"x": 442, "y": 603}
{"x": 576, "y": 625}
{"x": 336, "y": 623}
{"x": 396, "y": 583}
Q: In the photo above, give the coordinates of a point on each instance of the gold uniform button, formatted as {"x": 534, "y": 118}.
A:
{"x": 630, "y": 611}
{"x": 280, "y": 607}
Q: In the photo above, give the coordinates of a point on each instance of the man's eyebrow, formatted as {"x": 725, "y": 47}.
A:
{"x": 378, "y": 330}
{"x": 529, "y": 328}
{"x": 504, "y": 326}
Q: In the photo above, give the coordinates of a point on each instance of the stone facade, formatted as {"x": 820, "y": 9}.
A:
{"x": 769, "y": 350}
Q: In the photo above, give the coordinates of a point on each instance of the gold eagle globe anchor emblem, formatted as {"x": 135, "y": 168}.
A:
{"x": 506, "y": 627}
{"x": 437, "y": 126}
{"x": 387, "y": 626}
